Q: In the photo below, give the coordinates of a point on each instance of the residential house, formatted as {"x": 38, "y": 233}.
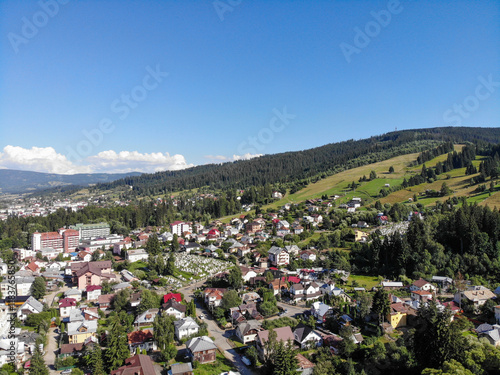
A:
{"x": 78, "y": 332}
{"x": 201, "y": 349}
{"x": 175, "y": 296}
{"x": 304, "y": 366}
{"x": 84, "y": 256}
{"x": 421, "y": 295}
{"x": 72, "y": 350}
{"x": 398, "y": 314}
{"x": 292, "y": 249}
{"x": 139, "y": 364}
{"x": 282, "y": 334}
{"x": 174, "y": 308}
{"x": 312, "y": 291}
{"x": 297, "y": 291}
{"x": 250, "y": 297}
{"x": 332, "y": 290}
{"x": 360, "y": 236}
{"x": 146, "y": 318}
{"x": 185, "y": 327}
{"x": 443, "y": 282}
{"x": 213, "y": 296}
{"x": 253, "y": 227}
{"x": 142, "y": 340}
{"x": 362, "y": 224}
{"x": 247, "y": 331}
{"x": 390, "y": 285}
{"x": 136, "y": 255}
{"x": 247, "y": 273}
{"x": 181, "y": 369}
{"x": 30, "y": 306}
{"x": 497, "y": 314}
{"x": 105, "y": 300}
{"x": 65, "y": 307}
{"x": 382, "y": 220}
{"x": 476, "y": 296}
{"x": 278, "y": 256}
{"x": 277, "y": 195}
{"x": 306, "y": 337}
{"x": 76, "y": 294}
{"x": 320, "y": 311}
{"x": 93, "y": 292}
{"x": 308, "y": 255}
{"x": 422, "y": 284}
{"x": 493, "y": 335}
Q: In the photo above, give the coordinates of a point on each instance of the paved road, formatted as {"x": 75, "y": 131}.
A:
{"x": 220, "y": 336}
{"x": 293, "y": 310}
{"x": 50, "y": 351}
{"x": 52, "y": 338}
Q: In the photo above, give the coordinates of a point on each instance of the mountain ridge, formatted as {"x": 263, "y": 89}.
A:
{"x": 20, "y": 181}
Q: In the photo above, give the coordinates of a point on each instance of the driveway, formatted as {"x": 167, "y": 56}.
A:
{"x": 50, "y": 351}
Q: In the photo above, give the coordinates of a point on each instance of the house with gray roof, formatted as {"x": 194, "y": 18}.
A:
{"x": 201, "y": 349}
{"x": 493, "y": 335}
{"x": 31, "y": 306}
{"x": 180, "y": 369}
{"x": 185, "y": 328}
{"x": 146, "y": 318}
{"x": 247, "y": 331}
{"x": 78, "y": 332}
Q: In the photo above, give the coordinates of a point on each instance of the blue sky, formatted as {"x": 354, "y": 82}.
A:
{"x": 113, "y": 86}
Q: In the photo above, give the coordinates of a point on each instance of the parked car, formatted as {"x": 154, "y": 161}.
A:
{"x": 246, "y": 361}
{"x": 65, "y": 372}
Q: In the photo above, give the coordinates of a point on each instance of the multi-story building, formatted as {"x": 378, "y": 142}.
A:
{"x": 179, "y": 227}
{"x": 92, "y": 244}
{"x": 278, "y": 256}
{"x": 88, "y": 231}
{"x": 91, "y": 273}
{"x": 65, "y": 240}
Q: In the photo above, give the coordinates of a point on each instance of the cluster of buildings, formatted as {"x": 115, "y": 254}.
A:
{"x": 34, "y": 207}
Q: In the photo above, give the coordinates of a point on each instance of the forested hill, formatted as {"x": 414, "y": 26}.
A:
{"x": 290, "y": 167}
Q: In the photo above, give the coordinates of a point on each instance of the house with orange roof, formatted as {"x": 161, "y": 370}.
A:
{"x": 213, "y": 296}
{"x": 421, "y": 295}
{"x": 422, "y": 284}
{"x": 142, "y": 340}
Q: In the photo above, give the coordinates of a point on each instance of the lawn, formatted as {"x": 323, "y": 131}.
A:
{"x": 136, "y": 265}
{"x": 372, "y": 188}
{"x": 314, "y": 237}
{"x": 367, "y": 282}
{"x": 222, "y": 364}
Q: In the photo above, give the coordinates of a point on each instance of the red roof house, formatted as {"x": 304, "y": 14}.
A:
{"x": 169, "y": 296}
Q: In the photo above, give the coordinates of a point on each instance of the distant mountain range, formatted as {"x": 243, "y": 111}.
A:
{"x": 15, "y": 181}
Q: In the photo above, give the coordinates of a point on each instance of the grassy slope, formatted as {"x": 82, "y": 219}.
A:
{"x": 337, "y": 184}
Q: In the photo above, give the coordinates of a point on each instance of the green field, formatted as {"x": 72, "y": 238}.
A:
{"x": 367, "y": 282}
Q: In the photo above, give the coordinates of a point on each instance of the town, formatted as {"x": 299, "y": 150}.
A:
{"x": 259, "y": 290}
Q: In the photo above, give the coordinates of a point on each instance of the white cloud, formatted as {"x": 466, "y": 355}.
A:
{"x": 246, "y": 156}
{"x": 129, "y": 161}
{"x": 46, "y": 159}
{"x": 38, "y": 159}
{"x": 223, "y": 158}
